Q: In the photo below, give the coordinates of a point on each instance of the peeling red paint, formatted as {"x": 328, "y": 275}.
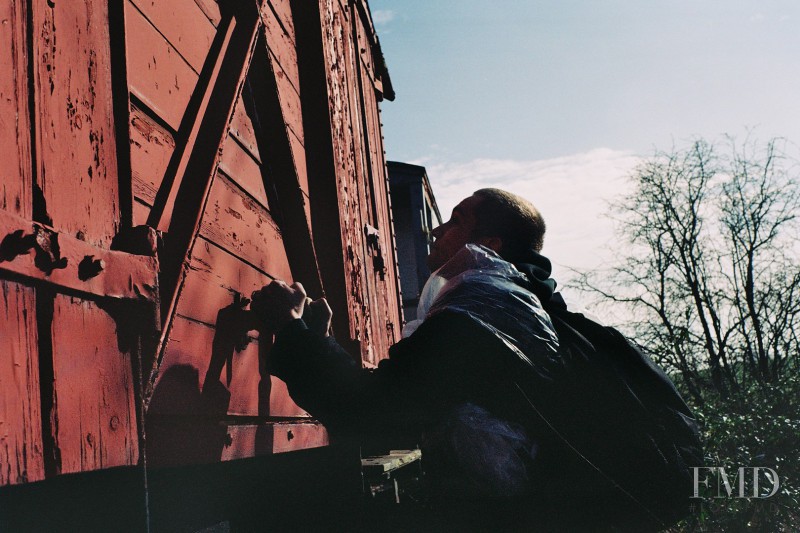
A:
{"x": 81, "y": 303}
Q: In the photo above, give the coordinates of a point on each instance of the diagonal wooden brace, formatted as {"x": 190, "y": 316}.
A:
{"x": 179, "y": 205}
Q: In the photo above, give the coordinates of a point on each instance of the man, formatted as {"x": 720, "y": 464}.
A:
{"x": 482, "y": 383}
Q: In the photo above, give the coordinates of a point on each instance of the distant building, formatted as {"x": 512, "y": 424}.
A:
{"x": 415, "y": 213}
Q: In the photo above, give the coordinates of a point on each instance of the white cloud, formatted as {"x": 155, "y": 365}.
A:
{"x": 572, "y": 192}
{"x": 382, "y": 17}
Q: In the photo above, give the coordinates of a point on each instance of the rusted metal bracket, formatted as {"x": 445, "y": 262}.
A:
{"x": 37, "y": 252}
{"x": 373, "y": 237}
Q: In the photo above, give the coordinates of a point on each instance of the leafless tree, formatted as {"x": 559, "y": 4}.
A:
{"x": 709, "y": 268}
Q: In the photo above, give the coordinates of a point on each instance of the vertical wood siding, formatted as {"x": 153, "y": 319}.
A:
{"x": 21, "y": 448}
{"x": 94, "y": 415}
{"x": 15, "y": 173}
{"x": 74, "y": 91}
{"x": 75, "y": 137}
{"x": 92, "y": 418}
{"x": 361, "y": 180}
{"x": 68, "y": 400}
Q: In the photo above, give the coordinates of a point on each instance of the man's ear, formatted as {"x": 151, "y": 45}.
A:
{"x": 493, "y": 243}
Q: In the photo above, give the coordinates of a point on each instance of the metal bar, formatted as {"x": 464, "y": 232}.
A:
{"x": 37, "y": 252}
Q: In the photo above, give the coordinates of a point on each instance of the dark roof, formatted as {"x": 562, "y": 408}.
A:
{"x": 398, "y": 171}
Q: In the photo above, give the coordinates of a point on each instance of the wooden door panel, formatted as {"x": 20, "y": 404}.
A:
{"x": 195, "y": 381}
{"x": 74, "y": 123}
{"x": 243, "y": 129}
{"x": 234, "y": 221}
{"x": 94, "y": 415}
{"x": 70, "y": 370}
{"x": 244, "y": 169}
{"x": 152, "y": 146}
{"x": 163, "y": 80}
{"x": 214, "y": 279}
{"x": 184, "y": 25}
{"x": 15, "y": 139}
{"x": 21, "y": 446}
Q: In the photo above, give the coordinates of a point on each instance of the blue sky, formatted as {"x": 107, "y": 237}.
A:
{"x": 557, "y": 99}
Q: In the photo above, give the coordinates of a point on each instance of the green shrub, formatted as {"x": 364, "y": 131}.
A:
{"x": 758, "y": 425}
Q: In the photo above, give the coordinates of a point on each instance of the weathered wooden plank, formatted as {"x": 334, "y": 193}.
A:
{"x": 214, "y": 277}
{"x": 237, "y": 223}
{"x": 362, "y": 210}
{"x": 281, "y": 46}
{"x": 388, "y": 282}
{"x": 15, "y": 141}
{"x": 334, "y": 27}
{"x": 240, "y": 166}
{"x": 385, "y": 282}
{"x": 283, "y": 10}
{"x": 193, "y": 380}
{"x": 38, "y": 253}
{"x": 152, "y": 147}
{"x": 290, "y": 100}
{"x": 382, "y": 284}
{"x": 211, "y": 10}
{"x": 288, "y": 436}
{"x": 242, "y": 128}
{"x": 364, "y": 47}
{"x": 204, "y": 375}
{"x": 94, "y": 418}
{"x": 163, "y": 80}
{"x": 300, "y": 163}
{"x": 293, "y": 118}
{"x": 395, "y": 459}
{"x": 140, "y": 212}
{"x": 21, "y": 459}
{"x": 74, "y": 122}
{"x": 244, "y": 440}
{"x": 185, "y": 26}
{"x": 247, "y": 441}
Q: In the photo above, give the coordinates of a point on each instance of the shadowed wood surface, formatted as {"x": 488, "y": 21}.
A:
{"x": 211, "y": 101}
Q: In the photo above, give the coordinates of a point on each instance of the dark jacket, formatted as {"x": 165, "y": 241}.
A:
{"x": 452, "y": 358}
{"x": 446, "y": 362}
{"x": 579, "y": 415}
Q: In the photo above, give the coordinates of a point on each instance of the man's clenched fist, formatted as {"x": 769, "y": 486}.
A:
{"x": 277, "y": 304}
{"x": 317, "y": 316}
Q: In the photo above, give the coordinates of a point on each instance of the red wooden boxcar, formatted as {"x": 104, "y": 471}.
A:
{"x": 164, "y": 159}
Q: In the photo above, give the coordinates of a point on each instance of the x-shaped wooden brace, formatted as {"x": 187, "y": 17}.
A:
{"x": 180, "y": 202}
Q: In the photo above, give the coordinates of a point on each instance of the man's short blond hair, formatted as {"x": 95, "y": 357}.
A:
{"x": 511, "y": 218}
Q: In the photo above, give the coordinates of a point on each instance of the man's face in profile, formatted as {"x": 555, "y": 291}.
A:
{"x": 451, "y": 236}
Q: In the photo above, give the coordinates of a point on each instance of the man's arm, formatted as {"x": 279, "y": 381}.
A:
{"x": 448, "y": 360}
